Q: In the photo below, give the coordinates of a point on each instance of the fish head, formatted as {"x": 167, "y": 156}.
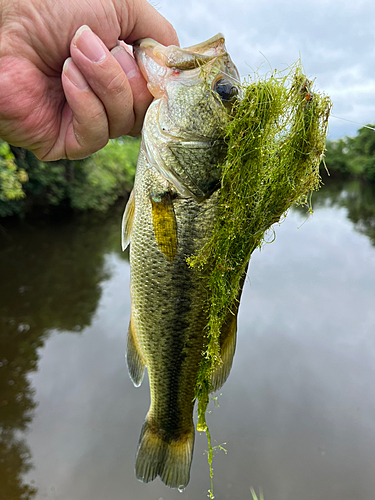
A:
{"x": 194, "y": 90}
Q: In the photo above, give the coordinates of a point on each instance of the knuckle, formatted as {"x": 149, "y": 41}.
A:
{"x": 123, "y": 128}
{"x": 117, "y": 85}
{"x": 144, "y": 99}
{"x": 92, "y": 133}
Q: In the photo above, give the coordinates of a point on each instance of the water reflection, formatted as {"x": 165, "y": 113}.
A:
{"x": 51, "y": 275}
{"x": 356, "y": 196}
{"x": 297, "y": 412}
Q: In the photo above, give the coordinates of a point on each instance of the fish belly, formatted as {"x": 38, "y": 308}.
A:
{"x": 168, "y": 319}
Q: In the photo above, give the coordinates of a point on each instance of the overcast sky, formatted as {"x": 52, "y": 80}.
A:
{"x": 335, "y": 40}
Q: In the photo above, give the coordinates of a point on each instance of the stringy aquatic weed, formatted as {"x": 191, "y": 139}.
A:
{"x": 276, "y": 139}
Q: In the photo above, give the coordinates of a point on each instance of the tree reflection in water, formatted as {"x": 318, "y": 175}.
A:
{"x": 51, "y": 274}
{"x": 50, "y": 279}
{"x": 358, "y": 197}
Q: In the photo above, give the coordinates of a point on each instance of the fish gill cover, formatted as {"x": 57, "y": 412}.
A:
{"x": 276, "y": 140}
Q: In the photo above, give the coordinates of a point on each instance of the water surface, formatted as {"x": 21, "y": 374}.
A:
{"x": 297, "y": 413}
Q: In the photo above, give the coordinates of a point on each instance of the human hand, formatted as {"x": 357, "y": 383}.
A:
{"x": 68, "y": 107}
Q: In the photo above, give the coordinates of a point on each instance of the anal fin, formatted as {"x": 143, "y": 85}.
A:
{"x": 136, "y": 363}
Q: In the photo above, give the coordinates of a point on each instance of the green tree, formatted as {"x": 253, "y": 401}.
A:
{"x": 93, "y": 183}
{"x": 11, "y": 179}
{"x": 362, "y": 153}
{"x": 353, "y": 156}
{"x": 105, "y": 176}
{"x": 336, "y": 156}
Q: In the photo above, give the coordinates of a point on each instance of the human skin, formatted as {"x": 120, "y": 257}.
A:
{"x": 65, "y": 88}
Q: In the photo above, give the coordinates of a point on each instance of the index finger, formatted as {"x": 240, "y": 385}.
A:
{"x": 145, "y": 22}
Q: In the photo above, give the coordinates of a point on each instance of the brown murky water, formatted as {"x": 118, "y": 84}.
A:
{"x": 297, "y": 413}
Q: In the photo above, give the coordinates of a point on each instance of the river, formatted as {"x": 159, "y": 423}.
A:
{"x": 297, "y": 413}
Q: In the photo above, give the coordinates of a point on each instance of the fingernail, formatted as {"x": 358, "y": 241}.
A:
{"x": 89, "y": 44}
{"x": 75, "y": 76}
{"x": 126, "y": 61}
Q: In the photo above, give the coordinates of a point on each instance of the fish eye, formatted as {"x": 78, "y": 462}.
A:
{"x": 226, "y": 90}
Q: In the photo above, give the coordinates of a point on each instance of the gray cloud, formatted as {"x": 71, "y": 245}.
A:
{"x": 335, "y": 40}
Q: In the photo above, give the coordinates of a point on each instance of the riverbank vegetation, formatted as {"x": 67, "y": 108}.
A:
{"x": 98, "y": 181}
{"x": 93, "y": 183}
{"x": 353, "y": 156}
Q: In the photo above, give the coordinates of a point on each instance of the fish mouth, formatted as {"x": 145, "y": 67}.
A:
{"x": 177, "y": 58}
{"x": 156, "y": 61}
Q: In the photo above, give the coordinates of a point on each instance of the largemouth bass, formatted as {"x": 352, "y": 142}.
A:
{"x": 169, "y": 217}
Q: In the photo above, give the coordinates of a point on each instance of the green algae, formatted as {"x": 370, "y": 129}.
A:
{"x": 276, "y": 140}
{"x": 254, "y": 495}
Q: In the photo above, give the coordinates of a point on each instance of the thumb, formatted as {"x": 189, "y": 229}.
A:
{"x": 145, "y": 22}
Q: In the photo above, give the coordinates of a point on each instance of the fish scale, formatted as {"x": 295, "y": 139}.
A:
{"x": 169, "y": 217}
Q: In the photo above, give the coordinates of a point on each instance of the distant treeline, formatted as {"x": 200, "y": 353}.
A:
{"x": 353, "y": 156}
{"x": 97, "y": 182}
{"x": 93, "y": 183}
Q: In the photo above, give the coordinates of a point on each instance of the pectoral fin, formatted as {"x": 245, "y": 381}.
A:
{"x": 127, "y": 221}
{"x": 164, "y": 224}
{"x": 136, "y": 363}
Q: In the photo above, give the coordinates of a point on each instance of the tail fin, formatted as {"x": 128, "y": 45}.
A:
{"x": 159, "y": 456}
